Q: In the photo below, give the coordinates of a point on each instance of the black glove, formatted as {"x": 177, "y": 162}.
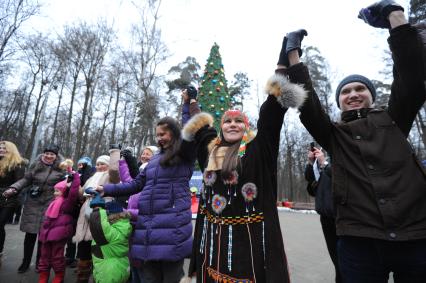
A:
{"x": 283, "y": 59}
{"x": 192, "y": 92}
{"x": 125, "y": 153}
{"x": 294, "y": 40}
{"x": 376, "y": 15}
{"x": 132, "y": 163}
{"x": 70, "y": 177}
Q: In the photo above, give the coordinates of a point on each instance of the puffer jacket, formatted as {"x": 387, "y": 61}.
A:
{"x": 62, "y": 227}
{"x": 163, "y": 230}
{"x": 46, "y": 177}
{"x": 110, "y": 246}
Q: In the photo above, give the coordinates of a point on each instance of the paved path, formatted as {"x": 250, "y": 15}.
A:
{"x": 304, "y": 244}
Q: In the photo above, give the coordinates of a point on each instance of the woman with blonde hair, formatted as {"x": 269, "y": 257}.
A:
{"x": 12, "y": 168}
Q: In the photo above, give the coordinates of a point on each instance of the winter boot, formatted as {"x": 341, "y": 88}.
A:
{"x": 59, "y": 277}
{"x": 43, "y": 277}
{"x": 24, "y": 265}
{"x": 84, "y": 270}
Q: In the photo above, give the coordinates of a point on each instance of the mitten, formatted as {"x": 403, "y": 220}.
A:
{"x": 294, "y": 40}
{"x": 283, "y": 59}
{"x": 376, "y": 15}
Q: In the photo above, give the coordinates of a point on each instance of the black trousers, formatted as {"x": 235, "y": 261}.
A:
{"x": 29, "y": 243}
{"x": 369, "y": 260}
{"x": 84, "y": 250}
{"x": 328, "y": 225}
{"x": 5, "y": 213}
{"x": 161, "y": 271}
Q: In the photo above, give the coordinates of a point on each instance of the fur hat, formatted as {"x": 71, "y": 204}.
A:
{"x": 103, "y": 159}
{"x": 51, "y": 148}
{"x": 355, "y": 78}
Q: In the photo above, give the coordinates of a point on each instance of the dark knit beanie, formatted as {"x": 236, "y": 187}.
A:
{"x": 113, "y": 207}
{"x": 352, "y": 79}
{"x": 51, "y": 148}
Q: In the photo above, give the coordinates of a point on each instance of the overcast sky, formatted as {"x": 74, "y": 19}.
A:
{"x": 249, "y": 32}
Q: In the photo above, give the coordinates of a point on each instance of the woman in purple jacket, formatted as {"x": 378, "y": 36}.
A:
{"x": 163, "y": 230}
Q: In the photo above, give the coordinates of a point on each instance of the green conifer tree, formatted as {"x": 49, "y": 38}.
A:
{"x": 213, "y": 93}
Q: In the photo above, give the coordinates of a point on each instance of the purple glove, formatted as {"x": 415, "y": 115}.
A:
{"x": 376, "y": 15}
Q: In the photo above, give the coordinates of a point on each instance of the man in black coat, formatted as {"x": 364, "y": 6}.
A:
{"x": 378, "y": 182}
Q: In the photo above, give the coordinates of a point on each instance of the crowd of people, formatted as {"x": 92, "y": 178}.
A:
{"x": 129, "y": 219}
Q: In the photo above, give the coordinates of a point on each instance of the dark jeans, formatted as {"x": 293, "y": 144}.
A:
{"x": 365, "y": 260}
{"x": 70, "y": 250}
{"x": 161, "y": 271}
{"x": 328, "y": 225}
{"x": 5, "y": 213}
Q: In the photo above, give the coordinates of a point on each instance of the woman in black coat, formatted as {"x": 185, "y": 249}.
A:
{"x": 12, "y": 168}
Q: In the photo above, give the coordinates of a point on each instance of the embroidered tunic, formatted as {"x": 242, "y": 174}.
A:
{"x": 237, "y": 235}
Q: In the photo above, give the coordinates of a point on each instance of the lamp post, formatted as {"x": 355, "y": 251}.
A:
{"x": 40, "y": 123}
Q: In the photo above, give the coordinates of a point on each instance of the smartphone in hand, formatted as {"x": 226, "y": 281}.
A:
{"x": 312, "y": 146}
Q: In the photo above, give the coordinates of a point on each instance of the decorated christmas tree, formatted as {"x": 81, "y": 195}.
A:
{"x": 213, "y": 93}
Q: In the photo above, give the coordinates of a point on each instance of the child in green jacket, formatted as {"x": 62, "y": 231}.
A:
{"x": 110, "y": 228}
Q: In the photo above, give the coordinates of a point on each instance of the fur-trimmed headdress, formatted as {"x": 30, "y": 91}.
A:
{"x": 235, "y": 113}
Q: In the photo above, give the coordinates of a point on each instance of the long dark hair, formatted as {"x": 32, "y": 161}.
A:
{"x": 171, "y": 154}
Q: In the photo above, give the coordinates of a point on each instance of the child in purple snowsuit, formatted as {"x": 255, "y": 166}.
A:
{"x": 58, "y": 227}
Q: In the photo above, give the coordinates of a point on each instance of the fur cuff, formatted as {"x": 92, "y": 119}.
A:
{"x": 195, "y": 123}
{"x": 288, "y": 94}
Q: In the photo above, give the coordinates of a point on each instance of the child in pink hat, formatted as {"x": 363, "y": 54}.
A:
{"x": 57, "y": 226}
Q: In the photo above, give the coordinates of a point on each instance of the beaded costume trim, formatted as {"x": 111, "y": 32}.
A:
{"x": 219, "y": 277}
{"x": 252, "y": 218}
